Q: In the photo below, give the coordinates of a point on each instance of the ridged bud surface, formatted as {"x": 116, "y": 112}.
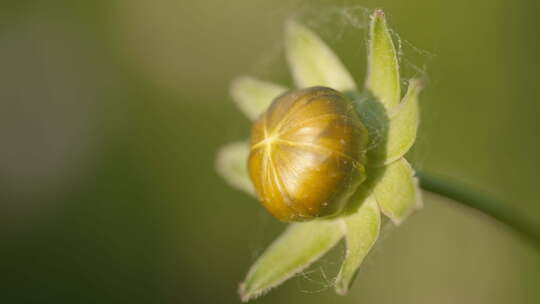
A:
{"x": 307, "y": 154}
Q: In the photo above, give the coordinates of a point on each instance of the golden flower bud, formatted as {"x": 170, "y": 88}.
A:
{"x": 307, "y": 154}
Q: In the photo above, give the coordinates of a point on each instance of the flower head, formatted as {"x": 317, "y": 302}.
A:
{"x": 387, "y": 182}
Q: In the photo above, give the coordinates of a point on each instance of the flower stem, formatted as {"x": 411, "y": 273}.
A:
{"x": 502, "y": 212}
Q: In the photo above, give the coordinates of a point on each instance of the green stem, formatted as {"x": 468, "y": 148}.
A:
{"x": 498, "y": 210}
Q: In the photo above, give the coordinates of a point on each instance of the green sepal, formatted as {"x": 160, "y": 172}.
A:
{"x": 299, "y": 246}
{"x": 403, "y": 123}
{"x": 382, "y": 79}
{"x": 361, "y": 232}
{"x": 231, "y": 164}
{"x": 397, "y": 191}
{"x": 254, "y": 96}
{"x": 391, "y": 133}
{"x": 312, "y": 62}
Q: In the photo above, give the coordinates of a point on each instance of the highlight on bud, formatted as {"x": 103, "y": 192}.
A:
{"x": 390, "y": 187}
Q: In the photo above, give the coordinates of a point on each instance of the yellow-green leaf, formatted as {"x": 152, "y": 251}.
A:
{"x": 254, "y": 96}
{"x": 397, "y": 191}
{"x": 312, "y": 62}
{"x": 361, "y": 232}
{"x": 231, "y": 164}
{"x": 391, "y": 133}
{"x": 383, "y": 67}
{"x": 299, "y": 246}
{"x": 403, "y": 124}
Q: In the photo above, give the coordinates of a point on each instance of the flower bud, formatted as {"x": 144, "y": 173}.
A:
{"x": 307, "y": 154}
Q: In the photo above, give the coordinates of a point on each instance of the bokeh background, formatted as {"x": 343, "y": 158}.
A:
{"x": 111, "y": 113}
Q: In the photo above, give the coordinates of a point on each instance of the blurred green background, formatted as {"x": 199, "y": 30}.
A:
{"x": 111, "y": 113}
